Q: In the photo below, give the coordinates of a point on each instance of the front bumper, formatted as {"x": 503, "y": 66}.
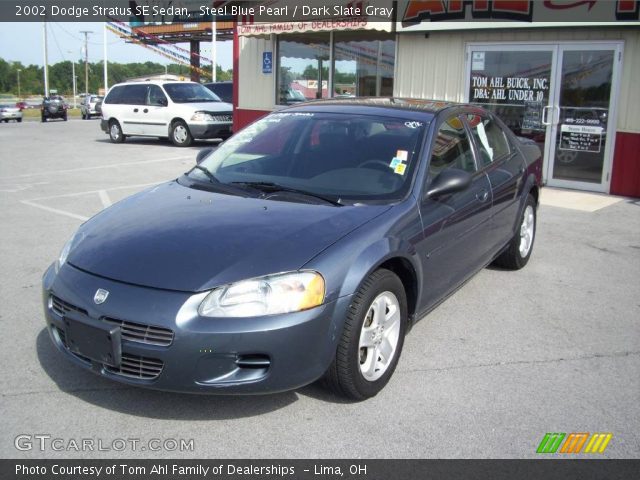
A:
{"x": 205, "y": 355}
{"x": 104, "y": 125}
{"x": 210, "y": 130}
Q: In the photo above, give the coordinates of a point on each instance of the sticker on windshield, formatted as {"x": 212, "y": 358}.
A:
{"x": 400, "y": 168}
{"x": 395, "y": 162}
{"x": 413, "y": 124}
{"x": 402, "y": 155}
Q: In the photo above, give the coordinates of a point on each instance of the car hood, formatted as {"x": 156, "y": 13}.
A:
{"x": 177, "y": 238}
{"x": 207, "y": 106}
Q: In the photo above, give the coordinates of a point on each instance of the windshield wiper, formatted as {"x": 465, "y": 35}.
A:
{"x": 274, "y": 187}
{"x": 212, "y": 178}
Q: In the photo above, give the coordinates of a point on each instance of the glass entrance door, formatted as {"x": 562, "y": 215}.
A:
{"x": 561, "y": 96}
{"x": 582, "y": 133}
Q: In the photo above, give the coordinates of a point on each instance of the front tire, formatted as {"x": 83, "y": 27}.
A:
{"x": 372, "y": 338}
{"x": 180, "y": 134}
{"x": 115, "y": 132}
{"x": 518, "y": 252}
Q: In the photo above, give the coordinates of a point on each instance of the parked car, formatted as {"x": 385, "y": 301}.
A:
{"x": 223, "y": 90}
{"x": 306, "y": 246}
{"x": 9, "y": 112}
{"x": 53, "y": 107}
{"x": 89, "y": 106}
{"x": 181, "y": 111}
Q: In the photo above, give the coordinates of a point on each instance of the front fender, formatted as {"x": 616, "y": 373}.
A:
{"x": 346, "y": 264}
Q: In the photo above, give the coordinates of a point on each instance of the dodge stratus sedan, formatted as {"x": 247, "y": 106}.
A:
{"x": 304, "y": 247}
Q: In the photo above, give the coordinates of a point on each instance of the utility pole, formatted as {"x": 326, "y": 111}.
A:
{"x": 19, "y": 83}
{"x": 46, "y": 59}
{"x": 86, "y": 61}
{"x": 73, "y": 77}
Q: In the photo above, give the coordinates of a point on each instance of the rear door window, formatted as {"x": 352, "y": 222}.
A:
{"x": 134, "y": 95}
{"x": 452, "y": 148}
{"x": 490, "y": 139}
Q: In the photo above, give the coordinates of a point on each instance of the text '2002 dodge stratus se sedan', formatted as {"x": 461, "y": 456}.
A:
{"x": 305, "y": 246}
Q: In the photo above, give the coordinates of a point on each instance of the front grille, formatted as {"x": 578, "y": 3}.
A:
{"x": 138, "y": 332}
{"x": 225, "y": 117}
{"x": 61, "y": 307}
{"x": 132, "y": 331}
{"x": 134, "y": 366}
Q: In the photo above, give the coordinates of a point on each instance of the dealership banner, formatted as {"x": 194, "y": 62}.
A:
{"x": 337, "y": 14}
{"x": 356, "y": 469}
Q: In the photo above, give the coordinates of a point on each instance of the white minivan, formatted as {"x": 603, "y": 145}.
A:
{"x": 181, "y": 111}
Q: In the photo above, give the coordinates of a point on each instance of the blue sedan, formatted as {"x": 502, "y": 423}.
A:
{"x": 304, "y": 247}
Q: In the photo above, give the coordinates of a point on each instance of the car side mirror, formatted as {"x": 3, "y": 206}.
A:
{"x": 202, "y": 154}
{"x": 448, "y": 181}
{"x": 163, "y": 102}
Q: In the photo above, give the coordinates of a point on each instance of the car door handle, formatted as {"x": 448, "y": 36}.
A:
{"x": 483, "y": 196}
{"x": 146, "y": 110}
{"x": 135, "y": 110}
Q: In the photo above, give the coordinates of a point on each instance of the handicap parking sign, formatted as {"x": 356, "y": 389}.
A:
{"x": 267, "y": 62}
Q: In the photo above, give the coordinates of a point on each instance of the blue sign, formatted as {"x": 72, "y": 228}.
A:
{"x": 267, "y": 62}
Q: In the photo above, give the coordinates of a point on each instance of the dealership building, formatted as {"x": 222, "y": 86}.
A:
{"x": 572, "y": 86}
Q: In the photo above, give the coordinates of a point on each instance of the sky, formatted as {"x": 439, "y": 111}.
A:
{"x": 24, "y": 42}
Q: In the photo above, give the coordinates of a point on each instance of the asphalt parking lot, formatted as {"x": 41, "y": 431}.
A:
{"x": 512, "y": 355}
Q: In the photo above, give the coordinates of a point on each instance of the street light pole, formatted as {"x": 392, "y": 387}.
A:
{"x": 19, "y": 84}
{"x": 86, "y": 61}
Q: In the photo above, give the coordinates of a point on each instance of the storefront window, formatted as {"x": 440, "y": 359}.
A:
{"x": 363, "y": 64}
{"x": 303, "y": 67}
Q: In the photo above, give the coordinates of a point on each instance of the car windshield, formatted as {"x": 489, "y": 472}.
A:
{"x": 346, "y": 157}
{"x": 189, "y": 93}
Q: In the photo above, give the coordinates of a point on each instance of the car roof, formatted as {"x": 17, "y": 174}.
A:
{"x": 154, "y": 82}
{"x": 413, "y": 107}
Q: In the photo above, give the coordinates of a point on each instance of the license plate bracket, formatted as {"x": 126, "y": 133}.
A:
{"x": 101, "y": 343}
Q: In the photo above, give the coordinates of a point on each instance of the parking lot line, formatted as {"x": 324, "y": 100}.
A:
{"x": 104, "y": 198}
{"x": 80, "y": 169}
{"x": 55, "y": 210}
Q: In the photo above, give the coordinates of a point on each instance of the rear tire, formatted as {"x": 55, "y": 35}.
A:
{"x": 372, "y": 338}
{"x": 19, "y": 120}
{"x": 180, "y": 135}
{"x": 115, "y": 132}
{"x": 518, "y": 252}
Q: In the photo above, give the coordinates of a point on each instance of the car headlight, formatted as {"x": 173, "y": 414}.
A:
{"x": 64, "y": 253}
{"x": 202, "y": 117}
{"x": 269, "y": 295}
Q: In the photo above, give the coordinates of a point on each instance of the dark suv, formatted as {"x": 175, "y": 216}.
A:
{"x": 53, "y": 107}
{"x": 224, "y": 90}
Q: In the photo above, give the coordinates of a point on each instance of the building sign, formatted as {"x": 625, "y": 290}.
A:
{"x": 508, "y": 89}
{"x": 423, "y": 15}
{"x": 580, "y": 138}
{"x": 290, "y": 16}
{"x": 267, "y": 62}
